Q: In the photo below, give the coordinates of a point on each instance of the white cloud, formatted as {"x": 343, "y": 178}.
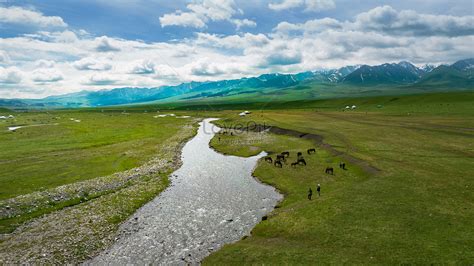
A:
{"x": 32, "y": 18}
{"x": 186, "y": 19}
{"x": 285, "y": 4}
{"x": 91, "y": 63}
{"x": 42, "y": 63}
{"x": 4, "y": 58}
{"x": 10, "y": 75}
{"x": 239, "y": 23}
{"x": 46, "y": 75}
{"x": 319, "y": 5}
{"x": 310, "y": 26}
{"x": 309, "y": 5}
{"x": 201, "y": 12}
{"x": 104, "y": 44}
{"x": 101, "y": 79}
{"x": 205, "y": 67}
{"x": 143, "y": 67}
{"x": 387, "y": 19}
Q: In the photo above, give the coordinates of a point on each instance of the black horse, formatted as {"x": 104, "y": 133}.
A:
{"x": 299, "y": 154}
{"x": 294, "y": 164}
{"x": 268, "y": 159}
{"x": 313, "y": 150}
{"x": 329, "y": 170}
{"x": 281, "y": 157}
{"x": 278, "y": 163}
{"x": 301, "y": 161}
{"x": 286, "y": 153}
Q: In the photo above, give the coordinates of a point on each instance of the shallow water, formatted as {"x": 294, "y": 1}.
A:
{"x": 212, "y": 200}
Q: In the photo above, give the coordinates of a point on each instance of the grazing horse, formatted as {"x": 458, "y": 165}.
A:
{"x": 301, "y": 160}
{"x": 281, "y": 157}
{"x": 278, "y": 163}
{"x": 294, "y": 164}
{"x": 268, "y": 159}
{"x": 329, "y": 170}
{"x": 285, "y": 153}
{"x": 342, "y": 166}
{"x": 313, "y": 150}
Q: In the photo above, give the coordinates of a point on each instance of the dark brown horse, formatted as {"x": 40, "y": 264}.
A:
{"x": 329, "y": 170}
{"x": 294, "y": 164}
{"x": 278, "y": 163}
{"x": 268, "y": 159}
{"x": 312, "y": 150}
{"x": 342, "y": 165}
{"x": 285, "y": 153}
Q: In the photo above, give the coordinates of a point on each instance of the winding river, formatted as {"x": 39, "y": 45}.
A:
{"x": 212, "y": 200}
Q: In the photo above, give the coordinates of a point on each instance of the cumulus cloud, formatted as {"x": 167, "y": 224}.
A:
{"x": 309, "y": 5}
{"x": 46, "y": 75}
{"x": 4, "y": 57}
{"x": 143, "y": 67}
{"x": 42, "y": 63}
{"x": 310, "y": 26}
{"x": 100, "y": 79}
{"x": 387, "y": 19}
{"x": 31, "y": 18}
{"x": 104, "y": 44}
{"x": 201, "y": 12}
{"x": 10, "y": 75}
{"x": 241, "y": 42}
{"x": 184, "y": 19}
{"x": 90, "y": 63}
{"x": 205, "y": 67}
{"x": 239, "y": 23}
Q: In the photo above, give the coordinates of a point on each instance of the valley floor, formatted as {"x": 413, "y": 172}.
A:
{"x": 65, "y": 188}
{"x": 418, "y": 209}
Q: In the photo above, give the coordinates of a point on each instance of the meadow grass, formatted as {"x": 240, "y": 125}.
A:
{"x": 418, "y": 209}
{"x": 63, "y": 151}
{"x": 70, "y": 222}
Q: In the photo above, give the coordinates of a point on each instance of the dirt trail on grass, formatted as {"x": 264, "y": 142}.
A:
{"x": 318, "y": 139}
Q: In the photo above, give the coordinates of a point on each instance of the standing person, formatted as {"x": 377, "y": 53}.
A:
{"x": 319, "y": 190}
{"x": 310, "y": 194}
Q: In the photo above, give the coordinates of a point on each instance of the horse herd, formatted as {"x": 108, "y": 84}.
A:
{"x": 282, "y": 158}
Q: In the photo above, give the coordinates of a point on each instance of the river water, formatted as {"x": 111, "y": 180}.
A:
{"x": 212, "y": 200}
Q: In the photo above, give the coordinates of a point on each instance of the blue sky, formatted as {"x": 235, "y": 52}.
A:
{"x": 52, "y": 47}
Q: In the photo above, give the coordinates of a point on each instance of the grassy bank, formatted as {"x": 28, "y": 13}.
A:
{"x": 419, "y": 209}
{"x": 57, "y": 148}
{"x": 83, "y": 179}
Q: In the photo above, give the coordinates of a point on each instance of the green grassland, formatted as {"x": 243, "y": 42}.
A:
{"x": 419, "y": 209}
{"x": 432, "y": 103}
{"x": 311, "y": 91}
{"x": 65, "y": 185}
{"x": 58, "y": 150}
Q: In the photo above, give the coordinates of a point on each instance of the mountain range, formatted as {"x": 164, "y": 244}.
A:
{"x": 402, "y": 77}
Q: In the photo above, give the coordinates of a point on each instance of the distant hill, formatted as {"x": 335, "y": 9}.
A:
{"x": 4, "y": 110}
{"x": 389, "y": 78}
{"x": 447, "y": 76}
{"x": 401, "y": 73}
